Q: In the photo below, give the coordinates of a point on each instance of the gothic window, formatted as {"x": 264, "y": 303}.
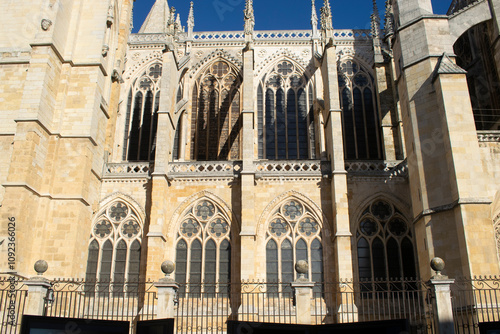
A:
{"x": 360, "y": 120}
{"x": 142, "y": 116}
{"x": 384, "y": 244}
{"x": 293, "y": 234}
{"x": 215, "y": 118}
{"x": 285, "y": 118}
{"x": 203, "y": 248}
{"x": 114, "y": 249}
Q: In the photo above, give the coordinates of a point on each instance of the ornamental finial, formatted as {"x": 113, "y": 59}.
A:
{"x": 249, "y": 17}
{"x": 314, "y": 18}
{"x": 375, "y": 21}
{"x": 326, "y": 16}
{"x": 191, "y": 16}
{"x": 190, "y": 22}
{"x": 389, "y": 19}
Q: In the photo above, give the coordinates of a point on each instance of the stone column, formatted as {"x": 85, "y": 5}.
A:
{"x": 167, "y": 291}
{"x": 441, "y": 290}
{"x": 38, "y": 288}
{"x": 302, "y": 288}
{"x": 248, "y": 221}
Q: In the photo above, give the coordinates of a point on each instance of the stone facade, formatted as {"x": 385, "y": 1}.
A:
{"x": 260, "y": 138}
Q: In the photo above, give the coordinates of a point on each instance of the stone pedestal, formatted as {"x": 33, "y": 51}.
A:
{"x": 167, "y": 290}
{"x": 443, "y": 310}
{"x": 38, "y": 288}
{"x": 303, "y": 294}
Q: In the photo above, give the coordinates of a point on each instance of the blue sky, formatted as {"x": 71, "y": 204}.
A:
{"x": 226, "y": 15}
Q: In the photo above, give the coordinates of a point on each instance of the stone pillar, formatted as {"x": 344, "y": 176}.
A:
{"x": 441, "y": 292}
{"x": 167, "y": 291}
{"x": 38, "y": 288}
{"x": 248, "y": 221}
{"x": 302, "y": 288}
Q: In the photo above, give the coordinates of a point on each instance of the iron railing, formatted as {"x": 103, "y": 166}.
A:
{"x": 13, "y": 295}
{"x": 206, "y": 307}
{"x": 475, "y": 301}
{"x": 103, "y": 300}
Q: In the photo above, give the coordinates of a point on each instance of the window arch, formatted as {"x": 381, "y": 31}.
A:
{"x": 360, "y": 120}
{"x": 385, "y": 244}
{"x": 215, "y": 118}
{"x": 203, "y": 246}
{"x": 142, "y": 116}
{"x": 115, "y": 248}
{"x": 293, "y": 234}
{"x": 285, "y": 114}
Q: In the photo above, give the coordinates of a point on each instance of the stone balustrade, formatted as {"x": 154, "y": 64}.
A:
{"x": 377, "y": 168}
{"x": 491, "y": 136}
{"x": 193, "y": 169}
{"x": 127, "y": 170}
{"x": 294, "y": 168}
{"x": 262, "y": 35}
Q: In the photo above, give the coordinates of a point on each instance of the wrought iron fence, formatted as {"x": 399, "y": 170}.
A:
{"x": 206, "y": 307}
{"x": 474, "y": 301}
{"x": 349, "y": 301}
{"x": 102, "y": 300}
{"x": 13, "y": 295}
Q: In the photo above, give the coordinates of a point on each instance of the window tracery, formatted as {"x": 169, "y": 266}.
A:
{"x": 203, "y": 251}
{"x": 285, "y": 114}
{"x": 360, "y": 118}
{"x": 215, "y": 119}
{"x": 115, "y": 248}
{"x": 293, "y": 234}
{"x": 384, "y": 243}
{"x": 142, "y": 116}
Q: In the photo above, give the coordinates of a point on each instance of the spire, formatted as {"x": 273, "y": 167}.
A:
{"x": 191, "y": 19}
{"x": 249, "y": 18}
{"x": 157, "y": 19}
{"x": 314, "y": 19}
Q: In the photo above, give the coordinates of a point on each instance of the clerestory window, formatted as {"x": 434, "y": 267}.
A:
{"x": 360, "y": 120}
{"x": 215, "y": 118}
{"x": 285, "y": 114}
{"x": 142, "y": 116}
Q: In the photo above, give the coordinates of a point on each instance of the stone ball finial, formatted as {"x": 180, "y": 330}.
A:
{"x": 167, "y": 267}
{"x": 302, "y": 267}
{"x": 41, "y": 267}
{"x": 437, "y": 264}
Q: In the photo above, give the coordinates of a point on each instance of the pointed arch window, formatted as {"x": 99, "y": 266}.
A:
{"x": 360, "y": 120}
{"x": 215, "y": 118}
{"x": 285, "y": 117}
{"x": 114, "y": 250}
{"x": 293, "y": 234}
{"x": 203, "y": 247}
{"x": 142, "y": 116}
{"x": 385, "y": 244}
